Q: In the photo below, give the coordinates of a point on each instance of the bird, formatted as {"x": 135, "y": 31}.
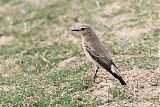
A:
{"x": 96, "y": 52}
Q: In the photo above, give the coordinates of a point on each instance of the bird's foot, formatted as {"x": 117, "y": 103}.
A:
{"x": 94, "y": 78}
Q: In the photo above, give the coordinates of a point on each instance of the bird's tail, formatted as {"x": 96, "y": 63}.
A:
{"x": 117, "y": 76}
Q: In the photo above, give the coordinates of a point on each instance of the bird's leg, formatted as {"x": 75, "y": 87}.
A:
{"x": 95, "y": 74}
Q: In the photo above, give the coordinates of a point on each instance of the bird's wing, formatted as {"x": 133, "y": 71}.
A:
{"x": 105, "y": 62}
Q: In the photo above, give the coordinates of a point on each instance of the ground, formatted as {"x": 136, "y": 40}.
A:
{"x": 42, "y": 62}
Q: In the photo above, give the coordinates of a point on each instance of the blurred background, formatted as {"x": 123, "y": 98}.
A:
{"x": 42, "y": 63}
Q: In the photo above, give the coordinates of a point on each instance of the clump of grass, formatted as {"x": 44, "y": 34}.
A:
{"x": 116, "y": 92}
{"x": 11, "y": 49}
{"x": 156, "y": 33}
{"x": 45, "y": 57}
{"x": 138, "y": 46}
{"x": 51, "y": 12}
{"x": 4, "y": 1}
{"x": 142, "y": 62}
{"x": 145, "y": 47}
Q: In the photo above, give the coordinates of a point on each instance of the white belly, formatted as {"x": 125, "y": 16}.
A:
{"x": 88, "y": 56}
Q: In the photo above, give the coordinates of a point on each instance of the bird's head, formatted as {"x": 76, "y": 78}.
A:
{"x": 85, "y": 30}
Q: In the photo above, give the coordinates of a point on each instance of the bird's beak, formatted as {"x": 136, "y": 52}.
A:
{"x": 75, "y": 29}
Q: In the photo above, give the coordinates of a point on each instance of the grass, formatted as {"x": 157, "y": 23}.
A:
{"x": 29, "y": 71}
{"x": 44, "y": 87}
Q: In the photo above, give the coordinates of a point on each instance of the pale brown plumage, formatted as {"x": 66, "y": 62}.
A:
{"x": 97, "y": 54}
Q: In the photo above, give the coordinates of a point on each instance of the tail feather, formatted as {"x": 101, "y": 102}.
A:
{"x": 117, "y": 77}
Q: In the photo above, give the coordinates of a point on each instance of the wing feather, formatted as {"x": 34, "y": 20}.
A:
{"x": 105, "y": 63}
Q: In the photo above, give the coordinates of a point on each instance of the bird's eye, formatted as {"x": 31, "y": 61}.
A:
{"x": 82, "y": 29}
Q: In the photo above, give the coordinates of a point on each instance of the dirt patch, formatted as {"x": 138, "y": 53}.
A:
{"x": 130, "y": 32}
{"x": 5, "y": 39}
{"x": 158, "y": 55}
{"x": 67, "y": 38}
{"x": 116, "y": 20}
{"x": 11, "y": 67}
{"x": 5, "y": 7}
{"x": 61, "y": 35}
{"x": 118, "y": 25}
{"x": 70, "y": 62}
{"x": 41, "y": 2}
{"x": 127, "y": 32}
{"x": 106, "y": 14}
{"x": 125, "y": 24}
{"x": 158, "y": 50}
{"x": 113, "y": 6}
{"x": 140, "y": 83}
{"x": 7, "y": 88}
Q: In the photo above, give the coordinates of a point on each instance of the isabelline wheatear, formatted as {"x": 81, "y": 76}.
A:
{"x": 97, "y": 54}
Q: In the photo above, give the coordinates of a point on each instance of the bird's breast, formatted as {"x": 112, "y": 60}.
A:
{"x": 87, "y": 54}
